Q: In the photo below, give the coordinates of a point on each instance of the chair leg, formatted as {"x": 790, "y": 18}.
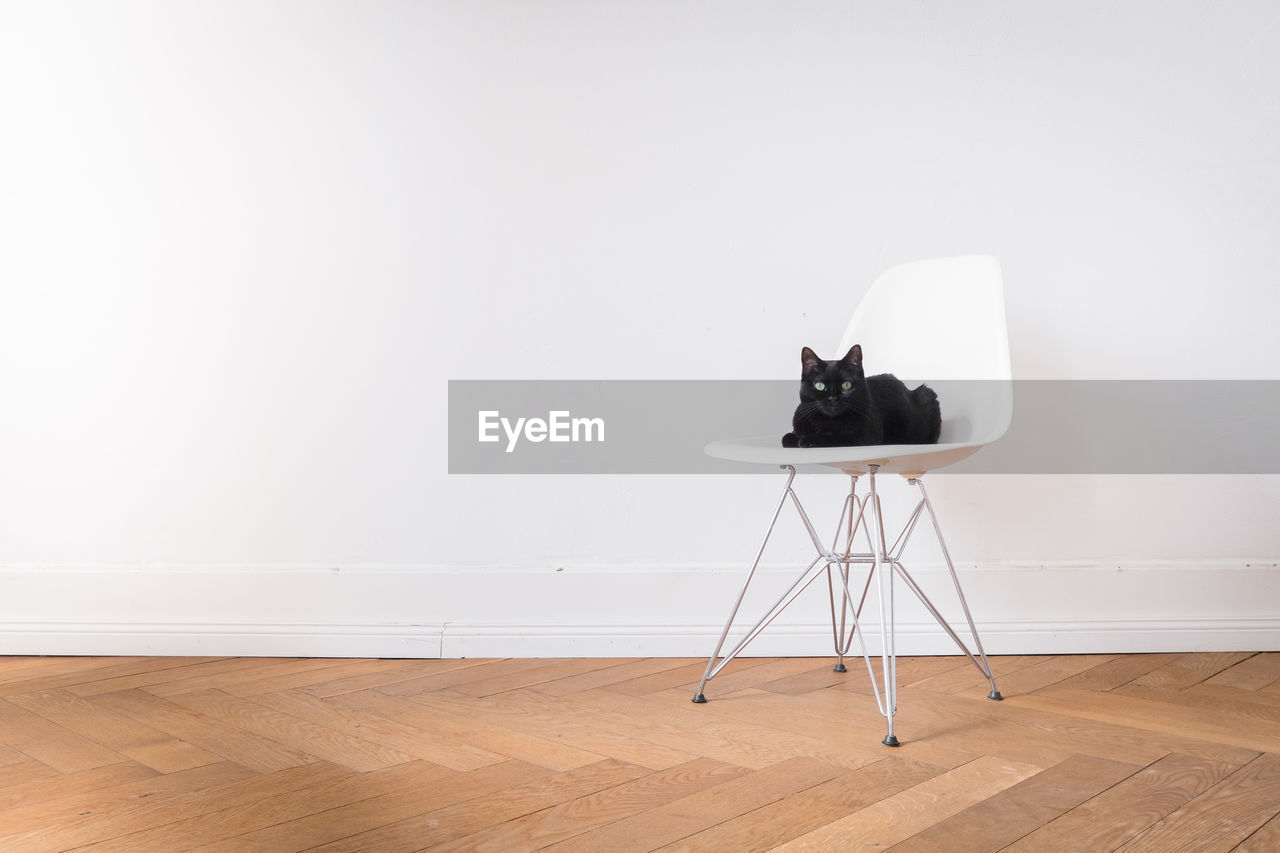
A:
{"x": 837, "y": 623}
{"x": 888, "y": 644}
{"x": 711, "y": 664}
{"x": 984, "y": 665}
{"x": 848, "y": 525}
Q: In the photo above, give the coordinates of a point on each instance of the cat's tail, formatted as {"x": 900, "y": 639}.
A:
{"x": 926, "y": 402}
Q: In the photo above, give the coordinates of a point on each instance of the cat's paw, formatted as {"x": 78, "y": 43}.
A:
{"x": 789, "y": 440}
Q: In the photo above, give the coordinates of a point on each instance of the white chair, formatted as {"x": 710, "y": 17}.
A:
{"x": 938, "y": 321}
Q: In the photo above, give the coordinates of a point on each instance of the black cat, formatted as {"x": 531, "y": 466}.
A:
{"x": 841, "y": 406}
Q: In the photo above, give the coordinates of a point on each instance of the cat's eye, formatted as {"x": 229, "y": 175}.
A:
{"x": 846, "y": 386}
{"x": 821, "y": 386}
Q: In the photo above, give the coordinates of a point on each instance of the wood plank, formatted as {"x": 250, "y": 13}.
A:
{"x": 1115, "y": 816}
{"x": 386, "y": 677}
{"x": 574, "y": 816}
{"x": 275, "y": 672}
{"x": 904, "y": 814}
{"x": 1265, "y": 840}
{"x": 1235, "y": 729}
{"x": 266, "y": 802}
{"x": 163, "y": 675}
{"x": 950, "y": 729}
{"x": 22, "y": 772}
{"x": 1006, "y": 730}
{"x": 27, "y": 826}
{"x": 472, "y": 814}
{"x": 370, "y": 821}
{"x": 793, "y": 816}
{"x": 117, "y": 732}
{"x": 556, "y": 725}
{"x": 413, "y": 741}
{"x": 1222, "y": 816}
{"x": 1205, "y": 697}
{"x": 847, "y": 721}
{"x": 538, "y": 673}
{"x": 1187, "y": 670}
{"x": 821, "y": 678}
{"x": 9, "y": 755}
{"x": 1055, "y": 735}
{"x": 910, "y": 671}
{"x": 968, "y": 679}
{"x": 687, "y": 677}
{"x": 53, "y": 785}
{"x": 322, "y": 675}
{"x": 171, "y": 755}
{"x": 21, "y": 668}
{"x": 1020, "y": 809}
{"x": 25, "y": 663}
{"x": 72, "y": 671}
{"x": 134, "y": 825}
{"x": 231, "y": 743}
{"x": 457, "y": 736}
{"x": 607, "y": 677}
{"x": 1233, "y": 696}
{"x": 693, "y": 813}
{"x": 1029, "y": 679}
{"x": 293, "y": 732}
{"x": 50, "y": 743}
{"x": 449, "y": 679}
{"x": 668, "y": 728}
{"x": 1252, "y": 673}
{"x": 730, "y": 681}
{"x": 684, "y": 725}
{"x": 928, "y": 723}
{"x": 1114, "y": 673}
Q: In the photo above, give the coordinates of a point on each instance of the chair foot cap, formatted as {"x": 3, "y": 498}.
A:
{"x": 699, "y": 699}
{"x": 890, "y": 740}
{"x": 995, "y": 696}
{"x": 839, "y": 668}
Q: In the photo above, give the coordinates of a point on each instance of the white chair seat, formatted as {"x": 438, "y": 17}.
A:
{"x": 905, "y": 459}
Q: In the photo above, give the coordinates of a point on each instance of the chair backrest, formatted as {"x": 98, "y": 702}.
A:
{"x": 943, "y": 322}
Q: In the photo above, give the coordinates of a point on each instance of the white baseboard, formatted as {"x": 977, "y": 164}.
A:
{"x": 615, "y": 611}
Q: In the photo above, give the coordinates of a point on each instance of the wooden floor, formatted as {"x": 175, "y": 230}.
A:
{"x": 1092, "y": 753}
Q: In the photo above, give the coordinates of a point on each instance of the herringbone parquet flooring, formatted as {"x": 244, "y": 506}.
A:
{"x": 1176, "y": 752}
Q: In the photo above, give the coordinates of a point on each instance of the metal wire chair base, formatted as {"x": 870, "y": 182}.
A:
{"x": 863, "y": 514}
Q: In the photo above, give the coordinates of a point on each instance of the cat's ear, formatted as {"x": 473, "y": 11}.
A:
{"x": 854, "y": 355}
{"x": 809, "y": 360}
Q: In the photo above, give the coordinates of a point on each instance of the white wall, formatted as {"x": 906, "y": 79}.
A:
{"x": 244, "y": 245}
